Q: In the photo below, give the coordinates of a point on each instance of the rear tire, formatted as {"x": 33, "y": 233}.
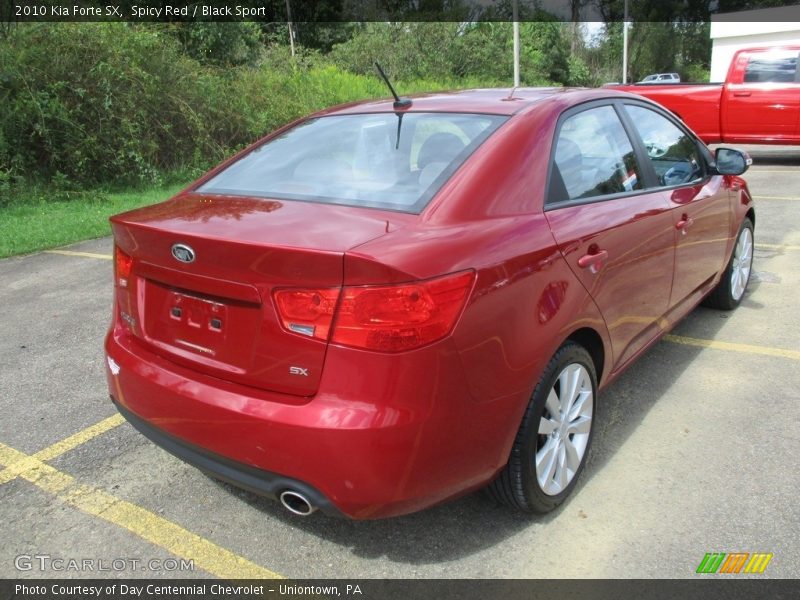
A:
{"x": 553, "y": 441}
{"x": 731, "y": 288}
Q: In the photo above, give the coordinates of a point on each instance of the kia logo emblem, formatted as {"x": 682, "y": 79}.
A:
{"x": 183, "y": 253}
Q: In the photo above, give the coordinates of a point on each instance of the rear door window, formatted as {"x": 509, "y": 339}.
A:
{"x": 381, "y": 160}
{"x": 593, "y": 157}
{"x": 775, "y": 67}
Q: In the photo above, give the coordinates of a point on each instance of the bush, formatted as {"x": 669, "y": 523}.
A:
{"x": 274, "y": 95}
{"x": 451, "y": 51}
{"x": 579, "y": 74}
{"x": 696, "y": 74}
{"x": 219, "y": 43}
{"x": 98, "y": 102}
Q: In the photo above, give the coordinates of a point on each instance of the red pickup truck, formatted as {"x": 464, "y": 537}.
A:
{"x": 759, "y": 102}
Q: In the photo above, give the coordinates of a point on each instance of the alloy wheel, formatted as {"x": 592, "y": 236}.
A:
{"x": 564, "y": 429}
{"x": 742, "y": 262}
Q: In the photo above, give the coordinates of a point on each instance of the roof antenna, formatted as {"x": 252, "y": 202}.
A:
{"x": 398, "y": 104}
{"x": 398, "y": 101}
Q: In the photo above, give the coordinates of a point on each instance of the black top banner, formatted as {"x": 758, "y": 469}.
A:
{"x": 394, "y": 10}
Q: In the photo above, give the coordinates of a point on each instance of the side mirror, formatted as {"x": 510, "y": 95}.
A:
{"x": 730, "y": 161}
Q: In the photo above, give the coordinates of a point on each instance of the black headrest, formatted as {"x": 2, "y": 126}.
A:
{"x": 440, "y": 147}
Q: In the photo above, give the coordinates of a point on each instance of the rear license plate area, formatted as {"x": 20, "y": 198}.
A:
{"x": 194, "y": 324}
{"x": 198, "y": 323}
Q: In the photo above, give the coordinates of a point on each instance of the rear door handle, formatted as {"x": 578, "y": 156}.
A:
{"x": 593, "y": 259}
{"x": 684, "y": 224}
{"x": 742, "y": 94}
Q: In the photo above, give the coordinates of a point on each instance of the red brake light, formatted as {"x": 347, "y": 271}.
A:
{"x": 388, "y": 318}
{"x": 394, "y": 318}
{"x": 122, "y": 267}
{"x": 307, "y": 312}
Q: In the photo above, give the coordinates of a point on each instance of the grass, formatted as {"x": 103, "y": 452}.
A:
{"x": 29, "y": 223}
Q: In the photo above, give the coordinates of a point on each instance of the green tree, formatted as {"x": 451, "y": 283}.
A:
{"x": 219, "y": 43}
{"x": 544, "y": 50}
{"x": 457, "y": 50}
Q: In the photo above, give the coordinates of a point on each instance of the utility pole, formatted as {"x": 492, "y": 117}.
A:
{"x": 516, "y": 43}
{"x": 289, "y": 23}
{"x": 624, "y": 45}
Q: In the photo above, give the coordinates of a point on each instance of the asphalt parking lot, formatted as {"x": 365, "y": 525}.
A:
{"x": 696, "y": 451}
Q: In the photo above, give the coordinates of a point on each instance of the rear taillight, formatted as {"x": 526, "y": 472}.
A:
{"x": 389, "y": 318}
{"x": 122, "y": 267}
{"x": 307, "y": 312}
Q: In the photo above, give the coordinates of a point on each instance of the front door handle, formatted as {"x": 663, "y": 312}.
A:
{"x": 742, "y": 94}
{"x": 593, "y": 259}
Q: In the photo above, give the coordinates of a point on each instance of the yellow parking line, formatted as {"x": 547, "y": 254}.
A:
{"x": 776, "y": 247}
{"x": 69, "y": 443}
{"x": 79, "y": 438}
{"x": 83, "y": 254}
{"x": 147, "y": 525}
{"x": 745, "y": 348}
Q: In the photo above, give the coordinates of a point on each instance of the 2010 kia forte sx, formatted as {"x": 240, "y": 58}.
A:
{"x": 389, "y": 304}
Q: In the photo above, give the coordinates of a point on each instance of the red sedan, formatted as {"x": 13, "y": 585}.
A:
{"x": 386, "y": 305}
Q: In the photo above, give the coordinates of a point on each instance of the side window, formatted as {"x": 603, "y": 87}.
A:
{"x": 672, "y": 152}
{"x": 775, "y": 67}
{"x": 593, "y": 157}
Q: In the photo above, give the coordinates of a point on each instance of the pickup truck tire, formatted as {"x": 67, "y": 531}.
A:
{"x": 553, "y": 441}
{"x": 730, "y": 290}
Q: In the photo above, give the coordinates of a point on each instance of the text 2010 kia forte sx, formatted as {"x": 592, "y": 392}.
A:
{"x": 388, "y": 304}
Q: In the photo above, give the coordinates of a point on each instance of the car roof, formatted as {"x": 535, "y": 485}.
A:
{"x": 499, "y": 101}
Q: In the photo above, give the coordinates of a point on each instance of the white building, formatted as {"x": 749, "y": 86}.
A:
{"x": 764, "y": 27}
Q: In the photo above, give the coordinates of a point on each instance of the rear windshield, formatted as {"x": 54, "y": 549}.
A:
{"x": 384, "y": 160}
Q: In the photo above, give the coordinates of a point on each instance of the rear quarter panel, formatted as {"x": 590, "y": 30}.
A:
{"x": 525, "y": 303}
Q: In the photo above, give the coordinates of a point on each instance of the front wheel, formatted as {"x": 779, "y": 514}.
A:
{"x": 730, "y": 290}
{"x": 552, "y": 444}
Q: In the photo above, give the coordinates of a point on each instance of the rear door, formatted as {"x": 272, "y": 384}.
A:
{"x": 616, "y": 236}
{"x": 700, "y": 204}
{"x": 762, "y": 102}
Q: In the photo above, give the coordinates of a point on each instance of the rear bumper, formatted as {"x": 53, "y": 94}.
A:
{"x": 255, "y": 480}
{"x": 384, "y": 435}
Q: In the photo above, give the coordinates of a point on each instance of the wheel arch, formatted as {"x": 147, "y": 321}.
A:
{"x": 591, "y": 340}
{"x": 751, "y": 214}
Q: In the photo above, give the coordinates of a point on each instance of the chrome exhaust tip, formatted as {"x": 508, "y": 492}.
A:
{"x": 296, "y": 503}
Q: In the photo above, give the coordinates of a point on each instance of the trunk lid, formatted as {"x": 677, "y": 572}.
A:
{"x": 216, "y": 313}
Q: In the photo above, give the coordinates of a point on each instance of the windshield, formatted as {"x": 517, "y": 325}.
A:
{"x": 374, "y": 160}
